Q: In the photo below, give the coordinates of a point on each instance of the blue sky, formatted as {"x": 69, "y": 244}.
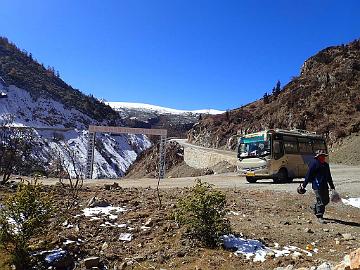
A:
{"x": 185, "y": 54}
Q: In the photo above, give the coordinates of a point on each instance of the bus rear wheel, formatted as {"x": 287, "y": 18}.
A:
{"x": 251, "y": 179}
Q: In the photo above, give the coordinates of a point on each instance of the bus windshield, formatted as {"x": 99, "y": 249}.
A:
{"x": 253, "y": 147}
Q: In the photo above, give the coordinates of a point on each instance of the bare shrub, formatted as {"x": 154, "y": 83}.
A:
{"x": 22, "y": 217}
{"x": 71, "y": 174}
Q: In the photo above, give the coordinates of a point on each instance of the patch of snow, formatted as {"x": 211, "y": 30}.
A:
{"x": 15, "y": 227}
{"x": 257, "y": 251}
{"x": 118, "y": 106}
{"x": 234, "y": 213}
{"x": 126, "y": 237}
{"x": 108, "y": 224}
{"x": 355, "y": 202}
{"x": 68, "y": 242}
{"x": 54, "y": 255}
{"x": 103, "y": 211}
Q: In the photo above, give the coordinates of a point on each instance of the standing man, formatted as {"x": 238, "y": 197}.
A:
{"x": 320, "y": 177}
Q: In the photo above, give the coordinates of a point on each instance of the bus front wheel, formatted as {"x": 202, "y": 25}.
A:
{"x": 251, "y": 179}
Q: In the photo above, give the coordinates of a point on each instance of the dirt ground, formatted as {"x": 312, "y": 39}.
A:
{"x": 269, "y": 216}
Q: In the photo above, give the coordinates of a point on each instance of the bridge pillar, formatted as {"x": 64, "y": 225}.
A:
{"x": 90, "y": 155}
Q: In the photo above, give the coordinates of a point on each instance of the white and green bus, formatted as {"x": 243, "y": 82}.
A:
{"x": 281, "y": 155}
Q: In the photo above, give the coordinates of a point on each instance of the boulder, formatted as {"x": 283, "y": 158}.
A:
{"x": 348, "y": 236}
{"x": 355, "y": 259}
{"x": 91, "y": 262}
{"x": 148, "y": 223}
{"x": 324, "y": 266}
{"x": 60, "y": 259}
{"x": 97, "y": 202}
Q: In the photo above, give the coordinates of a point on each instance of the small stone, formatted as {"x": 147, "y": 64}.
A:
{"x": 347, "y": 260}
{"x": 326, "y": 230}
{"x": 340, "y": 266}
{"x": 91, "y": 262}
{"x": 337, "y": 242}
{"x": 148, "y": 223}
{"x": 123, "y": 265}
{"x": 296, "y": 256}
{"x": 181, "y": 253}
{"x": 286, "y": 223}
{"x": 104, "y": 246}
{"x": 139, "y": 258}
{"x": 308, "y": 230}
{"x": 324, "y": 266}
{"x": 97, "y": 202}
{"x": 270, "y": 255}
{"x": 115, "y": 185}
{"x": 348, "y": 236}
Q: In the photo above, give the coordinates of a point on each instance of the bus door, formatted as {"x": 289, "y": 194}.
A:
{"x": 294, "y": 161}
{"x": 307, "y": 155}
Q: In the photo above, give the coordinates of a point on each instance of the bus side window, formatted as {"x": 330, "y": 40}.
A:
{"x": 319, "y": 145}
{"x": 277, "y": 149}
{"x": 305, "y": 146}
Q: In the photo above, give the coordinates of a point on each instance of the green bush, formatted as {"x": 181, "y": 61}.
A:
{"x": 22, "y": 216}
{"x": 203, "y": 212}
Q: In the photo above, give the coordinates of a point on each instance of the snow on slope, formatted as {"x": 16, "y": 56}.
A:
{"x": 118, "y": 106}
{"x": 112, "y": 158}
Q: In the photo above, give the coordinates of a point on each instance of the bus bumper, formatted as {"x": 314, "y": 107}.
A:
{"x": 257, "y": 174}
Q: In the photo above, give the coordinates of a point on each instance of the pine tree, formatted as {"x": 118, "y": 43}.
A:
{"x": 266, "y": 98}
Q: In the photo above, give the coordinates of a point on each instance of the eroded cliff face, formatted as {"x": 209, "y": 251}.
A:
{"x": 325, "y": 98}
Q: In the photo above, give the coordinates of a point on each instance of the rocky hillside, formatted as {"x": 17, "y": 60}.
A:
{"x": 34, "y": 96}
{"x": 147, "y": 164}
{"x": 325, "y": 98}
{"x": 17, "y": 67}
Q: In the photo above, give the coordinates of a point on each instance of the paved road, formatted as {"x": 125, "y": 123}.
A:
{"x": 346, "y": 179}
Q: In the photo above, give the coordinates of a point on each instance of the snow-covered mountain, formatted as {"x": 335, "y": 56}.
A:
{"x": 123, "y": 106}
{"x": 113, "y": 154}
{"x": 177, "y": 122}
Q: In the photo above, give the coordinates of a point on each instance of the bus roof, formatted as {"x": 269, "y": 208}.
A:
{"x": 294, "y": 132}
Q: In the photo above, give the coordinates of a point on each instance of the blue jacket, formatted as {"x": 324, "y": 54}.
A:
{"x": 319, "y": 175}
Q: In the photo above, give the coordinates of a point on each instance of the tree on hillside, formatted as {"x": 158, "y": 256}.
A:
{"x": 266, "y": 98}
{"x": 15, "y": 149}
{"x": 277, "y": 89}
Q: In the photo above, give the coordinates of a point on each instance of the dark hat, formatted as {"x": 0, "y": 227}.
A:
{"x": 320, "y": 153}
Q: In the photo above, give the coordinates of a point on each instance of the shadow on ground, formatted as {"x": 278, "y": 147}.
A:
{"x": 343, "y": 222}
